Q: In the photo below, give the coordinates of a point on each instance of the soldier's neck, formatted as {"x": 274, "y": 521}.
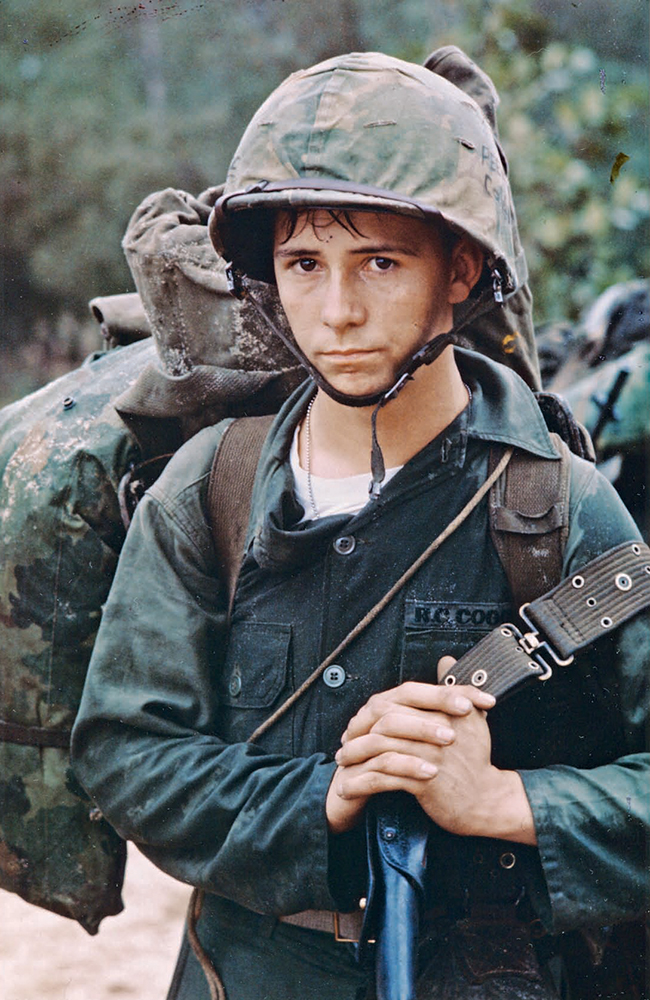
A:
{"x": 341, "y": 435}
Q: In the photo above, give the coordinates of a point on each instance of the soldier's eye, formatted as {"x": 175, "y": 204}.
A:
{"x": 383, "y": 263}
{"x": 306, "y": 264}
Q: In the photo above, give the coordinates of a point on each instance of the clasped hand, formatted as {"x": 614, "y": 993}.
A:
{"x": 432, "y": 741}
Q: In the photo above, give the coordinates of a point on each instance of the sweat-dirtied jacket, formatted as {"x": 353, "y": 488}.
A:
{"x": 172, "y": 695}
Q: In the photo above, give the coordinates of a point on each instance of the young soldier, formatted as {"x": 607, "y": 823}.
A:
{"x": 373, "y": 194}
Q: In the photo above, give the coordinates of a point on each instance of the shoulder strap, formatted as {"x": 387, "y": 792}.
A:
{"x": 230, "y": 487}
{"x": 529, "y": 520}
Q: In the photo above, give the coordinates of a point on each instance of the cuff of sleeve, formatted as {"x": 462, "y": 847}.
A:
{"x": 537, "y": 873}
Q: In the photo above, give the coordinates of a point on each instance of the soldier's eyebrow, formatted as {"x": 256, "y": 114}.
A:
{"x": 297, "y": 252}
{"x": 386, "y": 249}
{"x": 377, "y": 250}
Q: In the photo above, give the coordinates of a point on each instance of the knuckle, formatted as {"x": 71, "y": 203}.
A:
{"x": 391, "y": 759}
{"x": 382, "y": 725}
{"x": 374, "y": 782}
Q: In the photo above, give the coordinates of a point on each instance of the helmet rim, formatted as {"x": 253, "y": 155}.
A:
{"x": 311, "y": 193}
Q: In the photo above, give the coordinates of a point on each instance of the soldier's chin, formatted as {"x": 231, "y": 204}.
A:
{"x": 354, "y": 381}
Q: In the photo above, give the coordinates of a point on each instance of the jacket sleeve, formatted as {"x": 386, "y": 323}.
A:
{"x": 232, "y": 819}
{"x": 592, "y": 823}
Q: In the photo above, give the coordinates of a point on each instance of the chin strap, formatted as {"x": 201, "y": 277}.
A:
{"x": 424, "y": 356}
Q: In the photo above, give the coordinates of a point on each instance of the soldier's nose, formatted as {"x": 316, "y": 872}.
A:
{"x": 341, "y": 305}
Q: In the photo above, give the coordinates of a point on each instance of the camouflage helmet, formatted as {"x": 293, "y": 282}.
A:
{"x": 367, "y": 131}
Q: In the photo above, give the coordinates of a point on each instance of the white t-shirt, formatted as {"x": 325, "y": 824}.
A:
{"x": 346, "y": 495}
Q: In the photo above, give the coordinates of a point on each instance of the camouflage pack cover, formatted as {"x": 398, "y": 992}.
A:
{"x": 63, "y": 450}
{"x": 63, "y": 453}
{"x": 369, "y": 132}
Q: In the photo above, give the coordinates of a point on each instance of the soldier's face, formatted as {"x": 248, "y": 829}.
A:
{"x": 361, "y": 298}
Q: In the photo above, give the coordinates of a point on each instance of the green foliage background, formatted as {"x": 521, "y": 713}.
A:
{"x": 102, "y": 103}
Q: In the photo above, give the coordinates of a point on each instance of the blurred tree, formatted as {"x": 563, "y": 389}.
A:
{"x": 566, "y": 114}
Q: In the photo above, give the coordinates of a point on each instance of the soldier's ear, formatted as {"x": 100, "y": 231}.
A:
{"x": 467, "y": 260}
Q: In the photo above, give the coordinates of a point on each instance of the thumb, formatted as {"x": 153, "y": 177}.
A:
{"x": 445, "y": 663}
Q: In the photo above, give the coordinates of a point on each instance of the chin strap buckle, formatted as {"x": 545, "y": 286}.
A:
{"x": 235, "y": 280}
{"x": 497, "y": 286}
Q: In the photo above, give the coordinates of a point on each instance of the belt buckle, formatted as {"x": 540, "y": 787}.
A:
{"x": 531, "y": 643}
{"x": 337, "y": 931}
{"x": 338, "y": 936}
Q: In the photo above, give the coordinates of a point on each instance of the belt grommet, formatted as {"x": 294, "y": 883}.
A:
{"x": 623, "y": 582}
{"x": 591, "y": 602}
{"x": 508, "y": 860}
{"x": 578, "y": 582}
{"x": 606, "y": 622}
{"x": 479, "y": 678}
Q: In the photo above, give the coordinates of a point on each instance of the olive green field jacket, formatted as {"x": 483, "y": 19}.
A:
{"x": 172, "y": 694}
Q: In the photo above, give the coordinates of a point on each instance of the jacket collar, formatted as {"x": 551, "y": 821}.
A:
{"x": 503, "y": 409}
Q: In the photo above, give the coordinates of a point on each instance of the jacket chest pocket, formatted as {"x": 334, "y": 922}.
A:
{"x": 256, "y": 667}
{"x": 444, "y": 628}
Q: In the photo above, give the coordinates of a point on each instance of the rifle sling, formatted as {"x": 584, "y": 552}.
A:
{"x": 606, "y": 592}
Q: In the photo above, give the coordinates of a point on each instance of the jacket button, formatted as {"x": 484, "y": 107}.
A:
{"x": 508, "y": 860}
{"x": 345, "y": 545}
{"x": 334, "y": 676}
{"x": 234, "y": 686}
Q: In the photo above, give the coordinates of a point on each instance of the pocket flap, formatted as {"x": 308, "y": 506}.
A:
{"x": 256, "y": 664}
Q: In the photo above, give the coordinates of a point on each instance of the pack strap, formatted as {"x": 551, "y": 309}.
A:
{"x": 606, "y": 592}
{"x": 230, "y": 488}
{"x": 529, "y": 520}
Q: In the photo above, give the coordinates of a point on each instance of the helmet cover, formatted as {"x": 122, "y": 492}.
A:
{"x": 369, "y": 132}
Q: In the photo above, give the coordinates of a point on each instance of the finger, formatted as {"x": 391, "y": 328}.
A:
{"x": 389, "y": 772}
{"x": 445, "y": 663}
{"x": 423, "y": 727}
{"x": 374, "y": 709}
{"x": 412, "y": 695}
{"x": 373, "y": 745}
{"x": 439, "y": 697}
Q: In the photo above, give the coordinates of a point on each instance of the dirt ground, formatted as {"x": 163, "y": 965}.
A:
{"x": 47, "y": 957}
